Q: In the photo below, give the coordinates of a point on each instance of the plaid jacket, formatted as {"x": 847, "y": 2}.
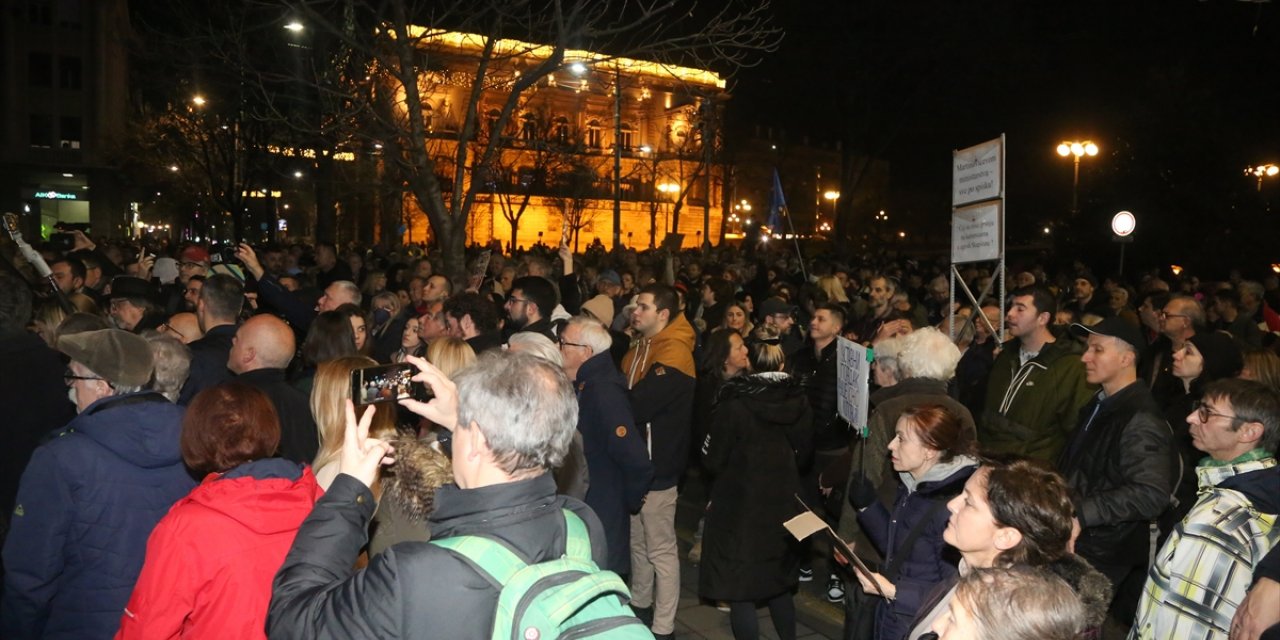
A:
{"x": 1205, "y": 568}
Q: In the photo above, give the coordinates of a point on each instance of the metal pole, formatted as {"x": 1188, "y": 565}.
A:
{"x": 1122, "y": 258}
{"x": 617, "y": 158}
{"x": 1075, "y": 189}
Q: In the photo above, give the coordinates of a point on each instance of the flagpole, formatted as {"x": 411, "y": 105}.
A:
{"x": 779, "y": 206}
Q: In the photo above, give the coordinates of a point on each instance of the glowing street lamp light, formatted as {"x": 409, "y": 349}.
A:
{"x": 294, "y": 26}
{"x": 198, "y": 100}
{"x": 1262, "y": 171}
{"x": 1076, "y": 149}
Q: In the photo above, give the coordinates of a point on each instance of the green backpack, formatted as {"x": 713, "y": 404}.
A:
{"x": 569, "y": 597}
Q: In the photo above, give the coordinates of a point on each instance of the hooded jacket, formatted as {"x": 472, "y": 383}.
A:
{"x": 86, "y": 504}
{"x": 761, "y": 429}
{"x": 660, "y": 374}
{"x": 1203, "y": 571}
{"x": 1031, "y": 408}
{"x": 930, "y": 561}
{"x": 211, "y": 559}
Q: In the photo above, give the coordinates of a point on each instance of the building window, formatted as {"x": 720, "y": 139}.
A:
{"x": 41, "y": 131}
{"x": 562, "y": 130}
{"x": 593, "y": 134}
{"x": 71, "y": 132}
{"x": 39, "y": 12}
{"x": 69, "y": 13}
{"x": 626, "y": 136}
{"x": 428, "y": 117}
{"x": 491, "y": 121}
{"x": 39, "y": 69}
{"x": 69, "y": 73}
{"x": 528, "y": 127}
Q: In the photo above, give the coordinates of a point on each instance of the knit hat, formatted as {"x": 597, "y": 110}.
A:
{"x": 600, "y": 308}
{"x": 610, "y": 276}
{"x": 119, "y": 356}
{"x": 1222, "y": 356}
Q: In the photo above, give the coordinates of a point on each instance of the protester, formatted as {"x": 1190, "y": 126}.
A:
{"x": 329, "y": 395}
{"x": 260, "y": 355}
{"x": 762, "y": 431}
{"x": 90, "y": 496}
{"x": 210, "y": 561}
{"x": 1012, "y": 604}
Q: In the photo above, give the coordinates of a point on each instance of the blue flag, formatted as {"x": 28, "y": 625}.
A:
{"x": 777, "y": 206}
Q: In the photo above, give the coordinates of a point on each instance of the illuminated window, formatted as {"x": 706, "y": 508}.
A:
{"x": 562, "y": 130}
{"x": 593, "y": 134}
{"x": 528, "y": 127}
{"x": 491, "y": 121}
{"x": 626, "y": 136}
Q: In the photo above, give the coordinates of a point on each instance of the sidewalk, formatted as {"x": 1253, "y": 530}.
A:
{"x": 815, "y": 617}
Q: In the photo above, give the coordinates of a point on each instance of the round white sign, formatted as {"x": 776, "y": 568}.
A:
{"x": 1123, "y": 223}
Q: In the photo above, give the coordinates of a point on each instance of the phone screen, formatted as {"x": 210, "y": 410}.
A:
{"x": 387, "y": 383}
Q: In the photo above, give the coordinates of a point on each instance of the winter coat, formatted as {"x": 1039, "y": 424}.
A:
{"x": 414, "y": 588}
{"x": 299, "y": 440}
{"x": 211, "y": 560}
{"x": 617, "y": 461}
{"x": 1201, "y": 574}
{"x": 818, "y": 373}
{"x": 929, "y": 561}
{"x": 30, "y": 379}
{"x": 660, "y": 373}
{"x": 1031, "y": 408}
{"x": 1122, "y": 465}
{"x": 761, "y": 429}
{"x": 870, "y": 456}
{"x": 209, "y": 357}
{"x": 87, "y": 502}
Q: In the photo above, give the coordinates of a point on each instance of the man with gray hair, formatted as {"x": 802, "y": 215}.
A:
{"x": 1120, "y": 460}
{"x": 91, "y": 495}
{"x": 299, "y": 314}
{"x": 617, "y": 461}
{"x": 512, "y": 418}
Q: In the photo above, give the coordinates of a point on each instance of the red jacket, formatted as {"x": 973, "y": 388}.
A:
{"x": 211, "y": 560}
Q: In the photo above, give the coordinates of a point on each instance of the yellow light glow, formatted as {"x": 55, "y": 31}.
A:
{"x": 1064, "y": 149}
{"x": 427, "y": 37}
{"x": 1176, "y": 269}
{"x": 831, "y": 195}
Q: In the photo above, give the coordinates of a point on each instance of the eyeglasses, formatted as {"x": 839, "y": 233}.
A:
{"x": 70, "y": 377}
{"x": 165, "y": 327}
{"x": 511, "y": 299}
{"x": 1203, "y": 412}
{"x": 566, "y": 343}
{"x": 1166, "y": 314}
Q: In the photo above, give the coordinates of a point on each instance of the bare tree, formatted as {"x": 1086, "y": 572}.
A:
{"x": 400, "y": 42}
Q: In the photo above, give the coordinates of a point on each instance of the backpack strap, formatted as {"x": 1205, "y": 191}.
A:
{"x": 501, "y": 563}
{"x": 904, "y": 550}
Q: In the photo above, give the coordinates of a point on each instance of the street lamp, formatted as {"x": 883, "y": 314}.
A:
{"x": 1077, "y": 149}
{"x": 294, "y": 26}
{"x": 1262, "y": 171}
{"x": 1123, "y": 224}
{"x": 833, "y": 197}
{"x": 198, "y": 100}
{"x": 671, "y": 190}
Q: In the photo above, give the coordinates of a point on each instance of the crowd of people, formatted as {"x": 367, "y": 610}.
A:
{"x": 189, "y": 450}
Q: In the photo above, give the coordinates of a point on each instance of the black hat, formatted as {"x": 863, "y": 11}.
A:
{"x": 131, "y": 287}
{"x": 1222, "y": 356}
{"x": 1114, "y": 327}
{"x": 775, "y": 305}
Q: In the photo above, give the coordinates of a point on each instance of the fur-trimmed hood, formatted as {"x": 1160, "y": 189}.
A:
{"x": 412, "y": 481}
{"x": 1093, "y": 588}
{"x": 774, "y": 396}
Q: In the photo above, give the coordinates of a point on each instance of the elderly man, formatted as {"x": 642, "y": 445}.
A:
{"x": 1181, "y": 318}
{"x": 1120, "y": 460}
{"x": 271, "y": 292}
{"x": 1204, "y": 569}
{"x": 91, "y": 495}
{"x": 260, "y": 352}
{"x": 133, "y": 307}
{"x": 617, "y": 461}
{"x": 512, "y": 418}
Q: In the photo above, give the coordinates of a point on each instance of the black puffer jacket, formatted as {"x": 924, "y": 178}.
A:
{"x": 1123, "y": 467}
{"x": 818, "y": 374}
{"x": 414, "y": 588}
{"x": 760, "y": 429}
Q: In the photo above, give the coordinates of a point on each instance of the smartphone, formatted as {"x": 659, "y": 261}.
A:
{"x": 387, "y": 383}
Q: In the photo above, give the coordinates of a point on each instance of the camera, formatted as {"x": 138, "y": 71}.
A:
{"x": 387, "y": 383}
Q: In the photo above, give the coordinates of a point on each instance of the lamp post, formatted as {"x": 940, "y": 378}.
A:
{"x": 833, "y": 197}
{"x": 1123, "y": 224}
{"x": 671, "y": 190}
{"x": 1076, "y": 149}
{"x": 1261, "y": 171}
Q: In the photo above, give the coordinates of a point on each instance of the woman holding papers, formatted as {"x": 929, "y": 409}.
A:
{"x": 760, "y": 430}
{"x": 933, "y": 455}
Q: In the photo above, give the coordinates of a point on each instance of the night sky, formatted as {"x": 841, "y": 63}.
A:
{"x": 1181, "y": 96}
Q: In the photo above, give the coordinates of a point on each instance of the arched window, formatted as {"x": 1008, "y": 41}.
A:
{"x": 528, "y": 127}
{"x": 561, "y": 130}
{"x": 428, "y": 116}
{"x": 593, "y": 134}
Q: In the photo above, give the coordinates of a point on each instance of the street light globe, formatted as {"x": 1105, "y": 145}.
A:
{"x": 832, "y": 195}
{"x": 1123, "y": 223}
{"x": 578, "y": 68}
{"x": 1091, "y": 148}
{"x": 297, "y": 174}
{"x": 1272, "y": 170}
{"x": 1064, "y": 149}
{"x": 1077, "y": 149}
{"x": 294, "y": 26}
{"x": 198, "y": 100}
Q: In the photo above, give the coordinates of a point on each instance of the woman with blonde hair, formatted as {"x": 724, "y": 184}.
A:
{"x": 831, "y": 286}
{"x": 738, "y": 319}
{"x": 329, "y": 393}
{"x": 450, "y": 354}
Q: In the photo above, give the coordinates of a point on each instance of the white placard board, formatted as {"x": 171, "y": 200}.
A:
{"x": 977, "y": 232}
{"x": 977, "y": 173}
{"x": 853, "y": 378}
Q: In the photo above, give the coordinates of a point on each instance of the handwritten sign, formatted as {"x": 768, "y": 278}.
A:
{"x": 853, "y": 377}
{"x": 977, "y": 173}
{"x": 977, "y": 233}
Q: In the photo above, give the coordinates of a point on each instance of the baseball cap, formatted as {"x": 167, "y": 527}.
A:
{"x": 775, "y": 305}
{"x": 1114, "y": 327}
{"x": 195, "y": 254}
{"x": 610, "y": 276}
